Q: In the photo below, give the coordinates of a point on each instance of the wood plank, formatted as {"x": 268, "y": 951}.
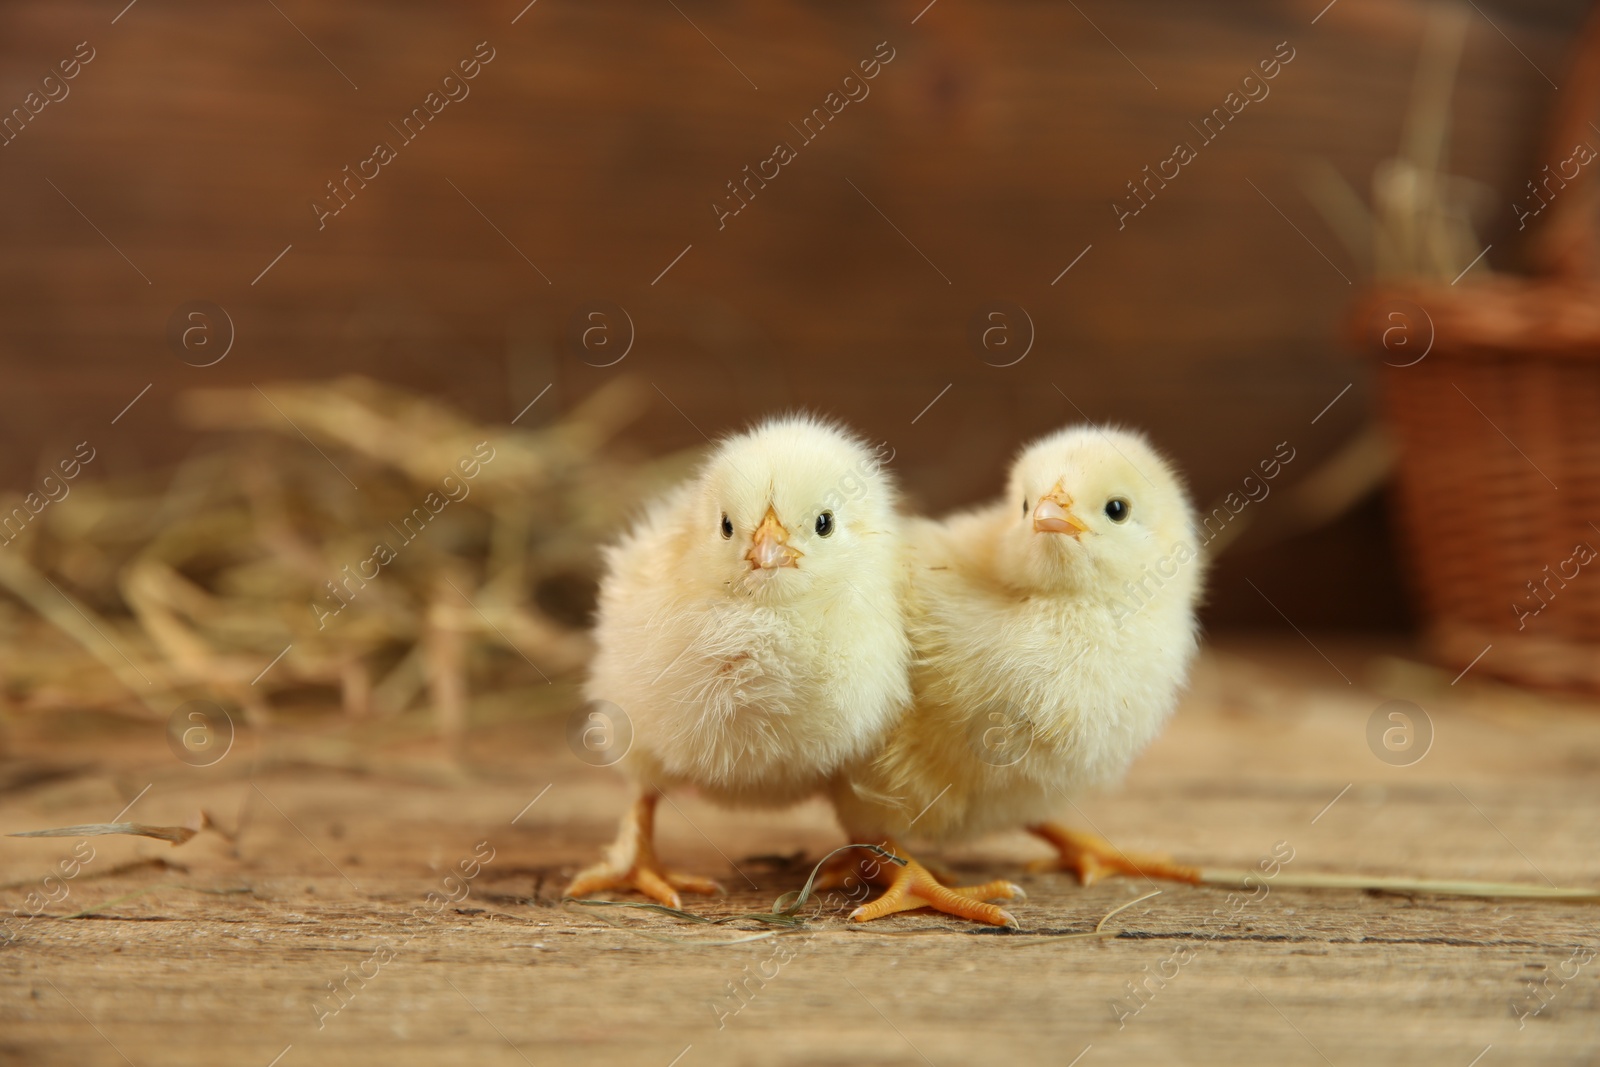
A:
{"x": 1269, "y": 735}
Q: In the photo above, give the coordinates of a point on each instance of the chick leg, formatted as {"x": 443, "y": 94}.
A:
{"x": 631, "y": 862}
{"x": 1092, "y": 858}
{"x": 914, "y": 886}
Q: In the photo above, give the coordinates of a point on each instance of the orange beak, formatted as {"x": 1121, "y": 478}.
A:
{"x": 770, "y": 548}
{"x": 1053, "y": 514}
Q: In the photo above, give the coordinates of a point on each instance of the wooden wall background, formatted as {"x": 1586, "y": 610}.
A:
{"x": 598, "y": 138}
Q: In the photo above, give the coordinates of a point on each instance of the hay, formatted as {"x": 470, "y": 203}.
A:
{"x": 250, "y": 576}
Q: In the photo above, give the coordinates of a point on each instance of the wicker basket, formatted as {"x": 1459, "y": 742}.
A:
{"x": 1492, "y": 392}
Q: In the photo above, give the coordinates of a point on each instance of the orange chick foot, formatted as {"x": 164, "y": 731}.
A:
{"x": 914, "y": 886}
{"x": 646, "y": 877}
{"x": 852, "y": 869}
{"x": 1092, "y": 858}
{"x": 631, "y": 863}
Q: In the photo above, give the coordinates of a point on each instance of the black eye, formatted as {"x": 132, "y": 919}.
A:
{"x": 727, "y": 526}
{"x": 1117, "y": 509}
{"x": 825, "y": 524}
{"x": 1024, "y": 507}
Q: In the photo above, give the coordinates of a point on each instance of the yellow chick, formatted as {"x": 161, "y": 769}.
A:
{"x": 750, "y": 629}
{"x": 1053, "y": 630}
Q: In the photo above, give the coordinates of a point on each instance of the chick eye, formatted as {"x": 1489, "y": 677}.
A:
{"x": 727, "y": 526}
{"x": 1024, "y": 507}
{"x": 825, "y": 524}
{"x": 1117, "y": 509}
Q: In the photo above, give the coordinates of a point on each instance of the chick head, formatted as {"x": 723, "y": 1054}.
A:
{"x": 791, "y": 508}
{"x": 1092, "y": 508}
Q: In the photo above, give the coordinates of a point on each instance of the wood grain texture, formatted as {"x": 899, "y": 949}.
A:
{"x": 592, "y": 148}
{"x": 341, "y": 845}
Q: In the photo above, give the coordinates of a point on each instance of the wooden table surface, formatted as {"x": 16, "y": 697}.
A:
{"x": 227, "y": 952}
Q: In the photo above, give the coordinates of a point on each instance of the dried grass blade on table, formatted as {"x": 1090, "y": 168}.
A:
{"x": 178, "y": 835}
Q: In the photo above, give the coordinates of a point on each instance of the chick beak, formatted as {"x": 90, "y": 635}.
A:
{"x": 770, "y": 548}
{"x": 1053, "y": 514}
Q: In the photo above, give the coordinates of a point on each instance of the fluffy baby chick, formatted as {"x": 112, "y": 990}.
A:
{"x": 1052, "y": 632}
{"x": 750, "y": 629}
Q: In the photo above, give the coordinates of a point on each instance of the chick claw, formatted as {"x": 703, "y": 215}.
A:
{"x": 1092, "y": 858}
{"x": 647, "y": 877}
{"x": 914, "y": 886}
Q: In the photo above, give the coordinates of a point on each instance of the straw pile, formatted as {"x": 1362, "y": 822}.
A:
{"x": 343, "y": 543}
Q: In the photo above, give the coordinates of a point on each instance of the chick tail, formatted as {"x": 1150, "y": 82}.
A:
{"x": 631, "y": 863}
{"x": 1091, "y": 858}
